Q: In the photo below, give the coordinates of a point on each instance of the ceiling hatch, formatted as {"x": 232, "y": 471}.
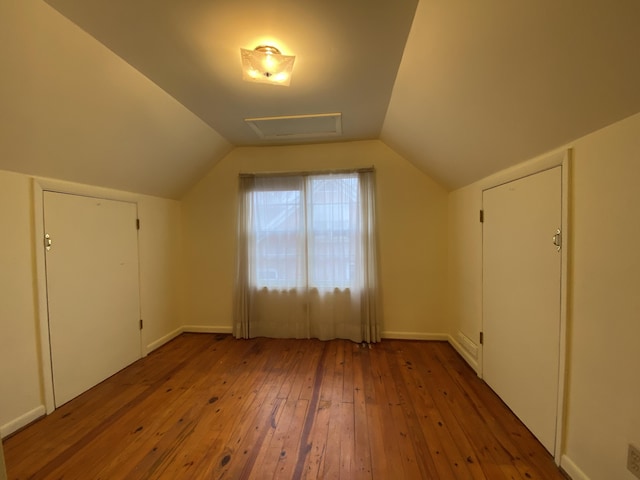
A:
{"x": 297, "y": 126}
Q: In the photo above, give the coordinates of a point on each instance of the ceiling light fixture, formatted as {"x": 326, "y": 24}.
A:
{"x": 265, "y": 64}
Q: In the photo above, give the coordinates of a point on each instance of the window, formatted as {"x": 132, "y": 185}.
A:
{"x": 306, "y": 257}
{"x": 305, "y": 230}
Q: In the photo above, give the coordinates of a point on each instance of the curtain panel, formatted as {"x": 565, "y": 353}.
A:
{"x": 307, "y": 257}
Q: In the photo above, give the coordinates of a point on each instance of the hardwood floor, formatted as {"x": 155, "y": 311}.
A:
{"x": 212, "y": 407}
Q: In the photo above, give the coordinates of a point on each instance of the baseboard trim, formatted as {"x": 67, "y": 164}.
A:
{"x": 571, "y": 469}
{"x": 473, "y": 362}
{"x": 22, "y": 421}
{"x": 206, "y": 329}
{"x": 227, "y": 329}
{"x": 161, "y": 341}
{"x": 185, "y": 329}
{"x": 415, "y": 336}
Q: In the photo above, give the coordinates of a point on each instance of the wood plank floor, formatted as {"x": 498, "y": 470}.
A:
{"x": 213, "y": 407}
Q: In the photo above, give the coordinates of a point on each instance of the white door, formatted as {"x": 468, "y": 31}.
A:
{"x": 92, "y": 290}
{"x": 521, "y": 298}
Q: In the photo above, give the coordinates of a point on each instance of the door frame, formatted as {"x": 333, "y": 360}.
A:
{"x": 560, "y": 158}
{"x": 39, "y": 186}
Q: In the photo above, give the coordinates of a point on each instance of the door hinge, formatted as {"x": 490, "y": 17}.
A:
{"x": 481, "y": 216}
{"x": 481, "y": 338}
{"x": 137, "y": 224}
{"x": 141, "y": 324}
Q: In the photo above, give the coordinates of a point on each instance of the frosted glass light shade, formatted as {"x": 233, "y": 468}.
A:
{"x": 266, "y": 64}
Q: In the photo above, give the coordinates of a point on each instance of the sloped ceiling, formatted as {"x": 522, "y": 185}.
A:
{"x": 485, "y": 85}
{"x": 71, "y": 110}
{"x": 147, "y": 96}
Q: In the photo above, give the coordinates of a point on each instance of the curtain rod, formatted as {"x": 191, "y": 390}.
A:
{"x": 307, "y": 172}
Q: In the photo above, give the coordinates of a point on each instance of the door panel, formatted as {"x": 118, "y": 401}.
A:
{"x": 92, "y": 290}
{"x": 521, "y": 298}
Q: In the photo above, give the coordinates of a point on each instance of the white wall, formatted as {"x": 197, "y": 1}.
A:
{"x": 601, "y": 414}
{"x": 21, "y": 378}
{"x": 411, "y": 218}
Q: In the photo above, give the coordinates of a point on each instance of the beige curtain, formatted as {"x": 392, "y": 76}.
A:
{"x": 306, "y": 265}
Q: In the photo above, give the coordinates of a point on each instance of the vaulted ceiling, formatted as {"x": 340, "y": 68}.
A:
{"x": 147, "y": 96}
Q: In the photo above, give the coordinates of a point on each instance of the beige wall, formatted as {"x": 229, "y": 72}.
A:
{"x": 411, "y": 218}
{"x": 160, "y": 247}
{"x": 21, "y": 382}
{"x": 602, "y": 413}
{"x": 464, "y": 287}
{"x": 20, "y": 394}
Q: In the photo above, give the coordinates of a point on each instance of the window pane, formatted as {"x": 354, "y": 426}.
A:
{"x": 277, "y": 228}
{"x": 333, "y": 225}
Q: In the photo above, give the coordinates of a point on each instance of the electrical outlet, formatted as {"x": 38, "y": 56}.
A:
{"x": 633, "y": 460}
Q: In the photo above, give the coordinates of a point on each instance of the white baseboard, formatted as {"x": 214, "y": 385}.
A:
{"x": 161, "y": 341}
{"x": 22, "y": 421}
{"x": 206, "y": 329}
{"x": 466, "y": 343}
{"x": 572, "y": 469}
{"x": 185, "y": 329}
{"x": 473, "y": 362}
{"x": 227, "y": 329}
{"x": 415, "y": 336}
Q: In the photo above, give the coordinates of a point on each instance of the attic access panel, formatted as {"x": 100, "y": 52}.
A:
{"x": 297, "y": 126}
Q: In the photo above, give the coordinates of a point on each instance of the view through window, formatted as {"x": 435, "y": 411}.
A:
{"x": 305, "y": 231}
